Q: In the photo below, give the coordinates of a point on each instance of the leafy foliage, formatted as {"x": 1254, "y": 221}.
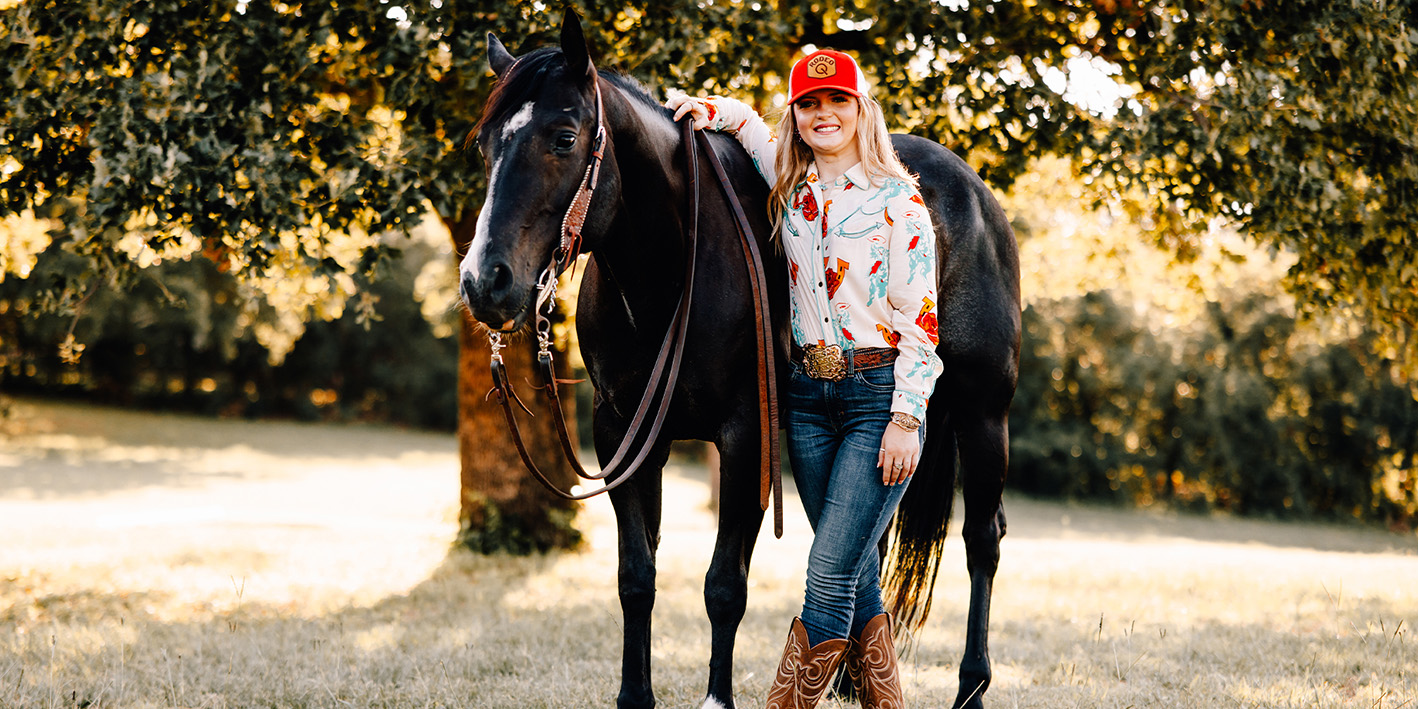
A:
{"x": 188, "y": 122}
{"x": 1295, "y": 120}
{"x": 195, "y": 345}
{"x": 1144, "y": 380}
{"x": 210, "y": 167}
{"x": 1241, "y": 412}
{"x": 234, "y": 122}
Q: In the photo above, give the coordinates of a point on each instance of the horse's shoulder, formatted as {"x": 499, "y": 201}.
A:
{"x": 737, "y": 163}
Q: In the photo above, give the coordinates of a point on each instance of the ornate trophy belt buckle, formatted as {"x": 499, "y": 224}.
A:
{"x": 826, "y": 362}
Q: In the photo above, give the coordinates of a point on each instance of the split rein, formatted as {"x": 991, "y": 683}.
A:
{"x": 665, "y": 373}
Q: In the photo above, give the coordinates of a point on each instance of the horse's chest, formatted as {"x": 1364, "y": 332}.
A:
{"x": 622, "y": 352}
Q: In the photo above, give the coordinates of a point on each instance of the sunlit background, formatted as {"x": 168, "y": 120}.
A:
{"x": 230, "y": 351}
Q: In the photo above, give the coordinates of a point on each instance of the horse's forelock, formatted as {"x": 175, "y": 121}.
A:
{"x": 514, "y": 89}
{"x": 526, "y": 76}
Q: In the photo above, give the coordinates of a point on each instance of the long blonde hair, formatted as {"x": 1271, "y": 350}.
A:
{"x": 878, "y": 158}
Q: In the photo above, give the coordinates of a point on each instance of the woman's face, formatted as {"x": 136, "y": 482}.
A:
{"x": 827, "y": 121}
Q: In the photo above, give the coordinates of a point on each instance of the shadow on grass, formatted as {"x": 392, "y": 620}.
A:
{"x": 460, "y": 638}
{"x": 494, "y": 631}
{"x": 1360, "y": 655}
{"x": 546, "y": 632}
{"x": 54, "y": 450}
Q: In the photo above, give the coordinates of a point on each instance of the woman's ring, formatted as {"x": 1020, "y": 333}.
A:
{"x": 900, "y": 465}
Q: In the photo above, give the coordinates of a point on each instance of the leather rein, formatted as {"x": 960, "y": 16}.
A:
{"x": 665, "y": 374}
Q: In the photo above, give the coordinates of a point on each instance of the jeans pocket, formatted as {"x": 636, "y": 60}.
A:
{"x": 881, "y": 380}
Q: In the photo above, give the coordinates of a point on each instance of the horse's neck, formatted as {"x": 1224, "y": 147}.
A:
{"x": 643, "y": 247}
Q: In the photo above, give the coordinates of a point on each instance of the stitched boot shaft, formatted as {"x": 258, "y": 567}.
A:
{"x": 805, "y": 673}
{"x": 871, "y": 663}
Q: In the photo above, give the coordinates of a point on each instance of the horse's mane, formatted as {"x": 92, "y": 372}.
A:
{"x": 531, "y": 71}
{"x": 636, "y": 90}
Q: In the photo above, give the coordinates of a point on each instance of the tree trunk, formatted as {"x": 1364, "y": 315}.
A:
{"x": 503, "y": 507}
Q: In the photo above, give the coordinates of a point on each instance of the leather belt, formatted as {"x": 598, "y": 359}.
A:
{"x": 832, "y": 363}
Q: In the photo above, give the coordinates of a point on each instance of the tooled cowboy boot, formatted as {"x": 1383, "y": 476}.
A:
{"x": 804, "y": 673}
{"x": 871, "y": 663}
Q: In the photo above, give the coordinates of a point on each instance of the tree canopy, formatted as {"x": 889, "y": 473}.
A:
{"x": 263, "y": 135}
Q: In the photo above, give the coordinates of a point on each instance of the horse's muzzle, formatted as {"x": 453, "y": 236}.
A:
{"x": 495, "y": 299}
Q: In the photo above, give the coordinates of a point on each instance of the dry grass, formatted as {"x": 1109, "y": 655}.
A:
{"x": 174, "y": 562}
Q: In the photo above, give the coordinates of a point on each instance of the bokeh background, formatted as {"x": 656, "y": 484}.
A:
{"x": 253, "y": 209}
{"x": 251, "y": 212}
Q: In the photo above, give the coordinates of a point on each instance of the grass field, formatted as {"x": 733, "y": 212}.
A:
{"x": 163, "y": 561}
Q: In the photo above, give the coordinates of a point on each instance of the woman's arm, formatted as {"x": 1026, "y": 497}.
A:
{"x": 911, "y": 291}
{"x": 719, "y": 113}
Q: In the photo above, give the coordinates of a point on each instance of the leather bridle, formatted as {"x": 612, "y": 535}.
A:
{"x": 665, "y": 373}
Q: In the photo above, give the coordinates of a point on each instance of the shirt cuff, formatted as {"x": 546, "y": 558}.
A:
{"x": 727, "y": 114}
{"x": 909, "y": 403}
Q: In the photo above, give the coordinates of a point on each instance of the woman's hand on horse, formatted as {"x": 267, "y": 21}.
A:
{"x": 899, "y": 456}
{"x": 684, "y": 104}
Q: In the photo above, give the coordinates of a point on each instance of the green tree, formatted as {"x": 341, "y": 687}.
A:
{"x": 1243, "y": 409}
{"x": 190, "y": 337}
{"x": 267, "y": 138}
{"x": 1296, "y": 120}
{"x": 267, "y": 135}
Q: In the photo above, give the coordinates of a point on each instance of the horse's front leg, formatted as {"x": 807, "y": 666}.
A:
{"x": 637, "y": 517}
{"x": 726, "y": 583}
{"x": 984, "y": 458}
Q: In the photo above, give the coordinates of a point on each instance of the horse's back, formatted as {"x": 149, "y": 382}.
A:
{"x": 752, "y": 192}
{"x": 722, "y": 344}
{"x": 977, "y": 274}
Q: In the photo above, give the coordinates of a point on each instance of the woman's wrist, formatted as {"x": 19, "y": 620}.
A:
{"x": 905, "y": 421}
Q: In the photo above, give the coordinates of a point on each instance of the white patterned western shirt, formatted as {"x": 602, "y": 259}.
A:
{"x": 861, "y": 260}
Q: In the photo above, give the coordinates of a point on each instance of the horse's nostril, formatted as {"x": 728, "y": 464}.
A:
{"x": 466, "y": 287}
{"x": 501, "y": 278}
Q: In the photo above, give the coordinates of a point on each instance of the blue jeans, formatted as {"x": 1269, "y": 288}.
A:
{"x": 834, "y": 436}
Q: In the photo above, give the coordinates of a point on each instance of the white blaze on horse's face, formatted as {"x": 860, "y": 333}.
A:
{"x": 518, "y": 121}
{"x": 473, "y": 259}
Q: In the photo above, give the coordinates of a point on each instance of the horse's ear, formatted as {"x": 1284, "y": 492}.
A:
{"x": 497, "y": 56}
{"x": 573, "y": 45}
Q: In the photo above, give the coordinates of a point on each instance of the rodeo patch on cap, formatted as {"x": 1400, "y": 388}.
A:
{"x": 826, "y": 69}
{"x": 821, "y": 67}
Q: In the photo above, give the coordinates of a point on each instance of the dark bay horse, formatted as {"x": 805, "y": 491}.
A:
{"x": 536, "y": 136}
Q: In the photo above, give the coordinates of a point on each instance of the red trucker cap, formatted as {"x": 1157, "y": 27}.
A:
{"x": 826, "y": 69}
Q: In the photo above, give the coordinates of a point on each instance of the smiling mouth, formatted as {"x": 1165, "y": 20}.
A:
{"x": 826, "y": 129}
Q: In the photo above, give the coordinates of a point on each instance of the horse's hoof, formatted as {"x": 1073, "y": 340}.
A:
{"x": 969, "y": 700}
{"x": 643, "y": 702}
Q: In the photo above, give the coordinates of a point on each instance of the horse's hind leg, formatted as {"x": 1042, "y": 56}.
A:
{"x": 984, "y": 458}
{"x": 726, "y": 583}
{"x": 637, "y": 518}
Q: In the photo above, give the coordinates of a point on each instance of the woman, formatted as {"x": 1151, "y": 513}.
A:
{"x": 861, "y": 257}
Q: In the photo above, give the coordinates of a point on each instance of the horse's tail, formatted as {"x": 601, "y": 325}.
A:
{"x": 919, "y": 531}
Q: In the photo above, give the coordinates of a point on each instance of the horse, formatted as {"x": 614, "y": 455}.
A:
{"x": 538, "y": 134}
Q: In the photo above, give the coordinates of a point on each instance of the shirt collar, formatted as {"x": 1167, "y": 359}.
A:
{"x": 856, "y": 174}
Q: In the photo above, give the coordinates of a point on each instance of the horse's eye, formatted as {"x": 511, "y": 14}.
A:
{"x": 565, "y": 141}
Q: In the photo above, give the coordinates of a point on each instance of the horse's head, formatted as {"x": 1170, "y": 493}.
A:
{"x": 535, "y": 136}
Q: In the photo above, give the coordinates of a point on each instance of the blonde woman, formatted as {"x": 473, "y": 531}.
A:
{"x": 861, "y": 259}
